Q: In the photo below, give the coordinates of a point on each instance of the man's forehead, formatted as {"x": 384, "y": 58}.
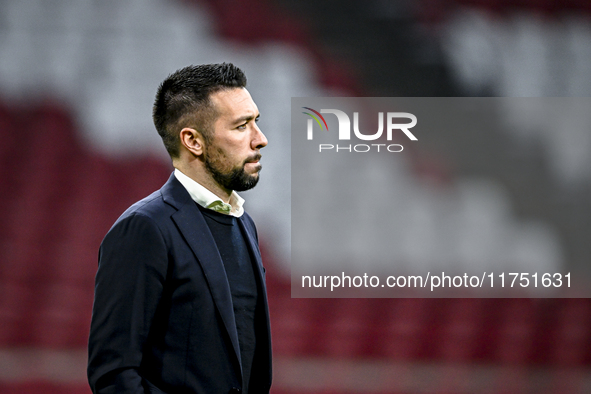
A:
{"x": 234, "y": 102}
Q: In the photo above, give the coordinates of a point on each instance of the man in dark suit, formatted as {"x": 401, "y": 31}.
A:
{"x": 180, "y": 299}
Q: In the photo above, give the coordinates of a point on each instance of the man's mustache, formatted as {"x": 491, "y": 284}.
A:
{"x": 253, "y": 158}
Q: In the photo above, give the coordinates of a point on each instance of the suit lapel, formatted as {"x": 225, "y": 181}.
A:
{"x": 254, "y": 249}
{"x": 194, "y": 229}
{"x": 252, "y": 242}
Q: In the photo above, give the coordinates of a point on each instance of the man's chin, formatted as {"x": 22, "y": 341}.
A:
{"x": 244, "y": 182}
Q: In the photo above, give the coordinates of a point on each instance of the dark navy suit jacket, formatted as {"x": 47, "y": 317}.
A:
{"x": 163, "y": 318}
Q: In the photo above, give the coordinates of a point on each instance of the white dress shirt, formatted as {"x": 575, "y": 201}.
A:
{"x": 209, "y": 200}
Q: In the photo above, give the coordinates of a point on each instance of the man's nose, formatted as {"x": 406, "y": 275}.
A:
{"x": 259, "y": 140}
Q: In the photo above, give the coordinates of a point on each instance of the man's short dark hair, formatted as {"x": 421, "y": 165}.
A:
{"x": 183, "y": 100}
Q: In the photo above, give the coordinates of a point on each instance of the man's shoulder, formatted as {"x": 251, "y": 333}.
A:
{"x": 160, "y": 204}
{"x": 152, "y": 206}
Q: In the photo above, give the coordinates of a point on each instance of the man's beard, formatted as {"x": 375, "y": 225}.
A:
{"x": 235, "y": 179}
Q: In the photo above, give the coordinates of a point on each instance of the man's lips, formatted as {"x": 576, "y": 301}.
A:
{"x": 254, "y": 159}
{"x": 253, "y": 165}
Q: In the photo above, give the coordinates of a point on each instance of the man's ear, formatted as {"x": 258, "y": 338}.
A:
{"x": 192, "y": 140}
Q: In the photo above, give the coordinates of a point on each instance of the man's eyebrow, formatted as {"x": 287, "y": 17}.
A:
{"x": 246, "y": 118}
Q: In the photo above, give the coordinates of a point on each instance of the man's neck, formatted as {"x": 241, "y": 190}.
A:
{"x": 202, "y": 177}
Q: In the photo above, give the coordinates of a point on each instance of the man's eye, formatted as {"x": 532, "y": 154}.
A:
{"x": 242, "y": 127}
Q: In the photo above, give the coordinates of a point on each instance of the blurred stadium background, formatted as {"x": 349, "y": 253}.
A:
{"x": 77, "y": 80}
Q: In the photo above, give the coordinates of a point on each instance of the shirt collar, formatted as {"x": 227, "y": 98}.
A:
{"x": 209, "y": 200}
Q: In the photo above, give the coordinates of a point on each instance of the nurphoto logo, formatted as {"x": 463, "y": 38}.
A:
{"x": 344, "y": 130}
